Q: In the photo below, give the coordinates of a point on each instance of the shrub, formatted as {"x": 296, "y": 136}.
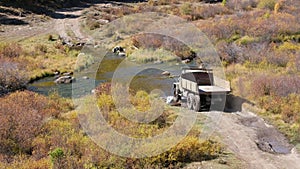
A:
{"x": 288, "y": 46}
{"x": 266, "y": 4}
{"x": 150, "y": 55}
{"x": 246, "y": 40}
{"x": 278, "y": 58}
{"x": 141, "y": 101}
{"x": 208, "y": 11}
{"x": 241, "y": 5}
{"x": 284, "y": 85}
{"x": 13, "y": 76}
{"x": 224, "y": 2}
{"x": 155, "y": 41}
{"x": 230, "y": 53}
{"x": 298, "y": 61}
{"x": 57, "y": 157}
{"x": 26, "y": 162}
{"x": 22, "y": 115}
{"x": 253, "y": 24}
{"x": 103, "y": 88}
{"x": 83, "y": 61}
{"x": 105, "y": 102}
{"x": 11, "y": 50}
{"x": 186, "y": 9}
{"x": 291, "y": 108}
{"x": 41, "y": 48}
{"x": 190, "y": 149}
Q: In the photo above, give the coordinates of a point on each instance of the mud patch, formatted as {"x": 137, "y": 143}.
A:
{"x": 268, "y": 138}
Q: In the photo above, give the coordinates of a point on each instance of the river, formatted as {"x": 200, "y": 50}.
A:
{"x": 146, "y": 77}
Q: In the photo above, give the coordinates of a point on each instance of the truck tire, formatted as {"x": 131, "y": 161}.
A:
{"x": 197, "y": 103}
{"x": 190, "y": 100}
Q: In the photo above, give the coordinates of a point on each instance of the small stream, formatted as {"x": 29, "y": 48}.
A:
{"x": 148, "y": 79}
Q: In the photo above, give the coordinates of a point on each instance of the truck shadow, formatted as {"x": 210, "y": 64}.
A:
{"x": 234, "y": 103}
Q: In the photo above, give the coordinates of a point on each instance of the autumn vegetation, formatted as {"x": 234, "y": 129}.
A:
{"x": 258, "y": 42}
{"x": 44, "y": 132}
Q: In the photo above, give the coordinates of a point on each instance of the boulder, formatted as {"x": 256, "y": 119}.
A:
{"x": 119, "y": 50}
{"x": 67, "y": 74}
{"x": 57, "y": 72}
{"x": 158, "y": 62}
{"x": 122, "y": 54}
{"x": 65, "y": 79}
{"x": 186, "y": 61}
{"x": 166, "y": 73}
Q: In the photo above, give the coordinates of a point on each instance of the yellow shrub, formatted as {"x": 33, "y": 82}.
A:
{"x": 266, "y": 4}
{"x": 105, "y": 102}
{"x": 141, "y": 101}
{"x": 288, "y": 46}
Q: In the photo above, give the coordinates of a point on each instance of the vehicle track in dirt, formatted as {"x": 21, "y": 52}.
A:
{"x": 242, "y": 132}
{"x": 64, "y": 22}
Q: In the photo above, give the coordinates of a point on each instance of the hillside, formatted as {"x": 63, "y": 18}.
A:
{"x": 258, "y": 44}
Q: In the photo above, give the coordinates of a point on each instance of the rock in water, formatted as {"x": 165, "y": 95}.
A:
{"x": 67, "y": 73}
{"x": 122, "y": 54}
{"x": 186, "y": 61}
{"x": 166, "y": 73}
{"x": 65, "y": 79}
{"x": 158, "y": 62}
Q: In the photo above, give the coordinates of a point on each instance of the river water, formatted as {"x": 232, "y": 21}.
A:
{"x": 145, "y": 77}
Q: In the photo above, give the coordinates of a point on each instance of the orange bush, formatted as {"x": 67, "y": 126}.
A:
{"x": 11, "y": 50}
{"x": 22, "y": 115}
{"x": 155, "y": 41}
{"x": 13, "y": 76}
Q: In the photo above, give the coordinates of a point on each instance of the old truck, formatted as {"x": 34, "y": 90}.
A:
{"x": 201, "y": 89}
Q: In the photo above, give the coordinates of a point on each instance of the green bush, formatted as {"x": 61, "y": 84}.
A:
{"x": 56, "y": 155}
{"x": 266, "y": 4}
{"x": 186, "y": 9}
{"x": 246, "y": 40}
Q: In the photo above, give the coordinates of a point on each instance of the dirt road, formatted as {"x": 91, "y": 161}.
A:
{"x": 65, "y": 23}
{"x": 247, "y": 135}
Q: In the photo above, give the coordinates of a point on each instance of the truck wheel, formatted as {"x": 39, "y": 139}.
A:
{"x": 197, "y": 103}
{"x": 190, "y": 100}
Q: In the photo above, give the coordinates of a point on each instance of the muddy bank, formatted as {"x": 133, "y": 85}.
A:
{"x": 268, "y": 138}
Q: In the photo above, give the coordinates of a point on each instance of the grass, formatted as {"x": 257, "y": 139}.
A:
{"x": 151, "y": 55}
{"x": 44, "y": 56}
